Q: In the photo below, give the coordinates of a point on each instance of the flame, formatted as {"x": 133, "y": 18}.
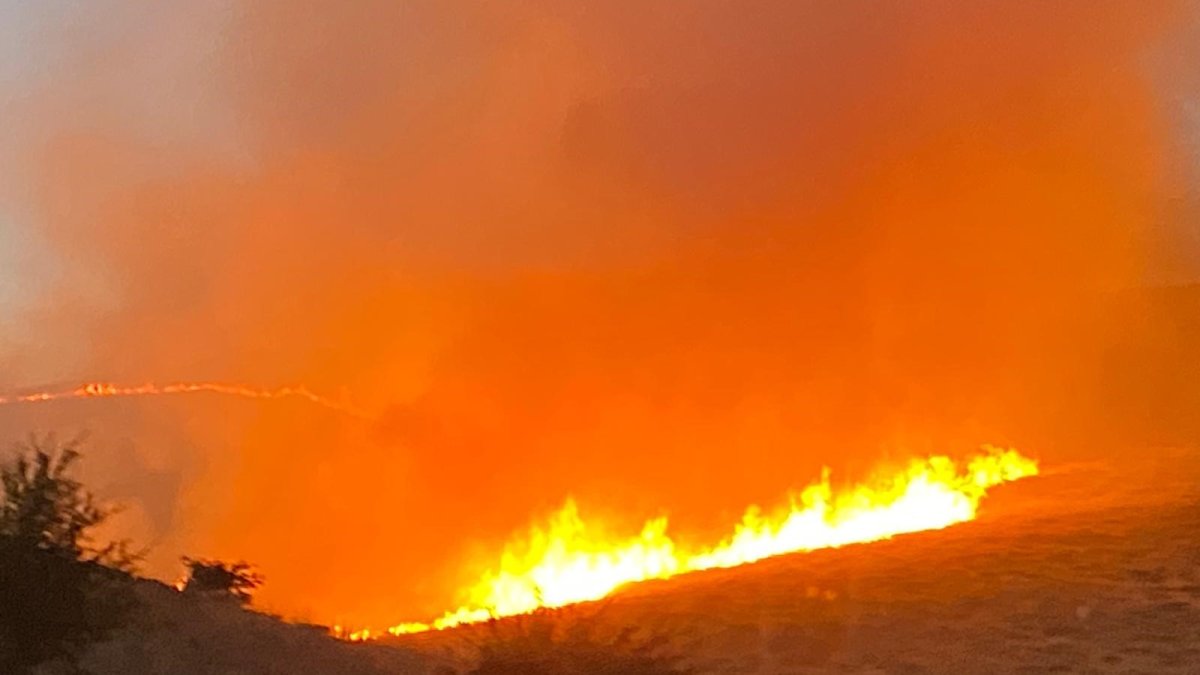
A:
{"x": 569, "y": 560}
{"x": 109, "y": 390}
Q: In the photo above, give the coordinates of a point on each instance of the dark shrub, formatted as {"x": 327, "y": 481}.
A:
{"x": 213, "y": 577}
{"x": 55, "y": 593}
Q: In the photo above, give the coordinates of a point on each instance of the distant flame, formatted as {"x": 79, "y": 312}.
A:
{"x": 568, "y": 561}
{"x": 107, "y": 390}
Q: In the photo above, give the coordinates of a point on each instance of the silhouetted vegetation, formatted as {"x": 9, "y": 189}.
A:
{"x": 215, "y": 578}
{"x": 567, "y": 642}
{"x": 58, "y": 590}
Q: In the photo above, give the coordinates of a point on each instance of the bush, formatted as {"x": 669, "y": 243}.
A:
{"x": 53, "y": 605}
{"x": 213, "y": 577}
{"x": 43, "y": 507}
{"x": 57, "y": 591}
{"x": 564, "y": 642}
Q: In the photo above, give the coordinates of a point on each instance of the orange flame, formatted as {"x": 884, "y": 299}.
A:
{"x": 568, "y": 560}
{"x": 108, "y": 390}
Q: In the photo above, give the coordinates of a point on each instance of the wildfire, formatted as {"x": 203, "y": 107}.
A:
{"x": 108, "y": 390}
{"x": 568, "y": 560}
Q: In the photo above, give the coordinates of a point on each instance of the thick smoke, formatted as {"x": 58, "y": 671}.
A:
{"x": 667, "y": 256}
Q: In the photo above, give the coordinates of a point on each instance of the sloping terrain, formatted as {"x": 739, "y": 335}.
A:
{"x": 1089, "y": 568}
{"x": 1092, "y": 568}
{"x": 175, "y": 634}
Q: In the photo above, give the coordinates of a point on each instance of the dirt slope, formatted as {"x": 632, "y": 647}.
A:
{"x": 1092, "y": 568}
{"x": 176, "y": 635}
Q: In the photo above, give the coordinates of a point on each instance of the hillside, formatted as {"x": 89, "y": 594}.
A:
{"x": 176, "y": 634}
{"x": 1089, "y": 569}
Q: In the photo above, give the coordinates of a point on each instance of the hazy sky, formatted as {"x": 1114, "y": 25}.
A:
{"x": 18, "y": 28}
{"x": 178, "y": 103}
{"x": 592, "y": 248}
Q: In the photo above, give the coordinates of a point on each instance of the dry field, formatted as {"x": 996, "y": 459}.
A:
{"x": 1092, "y": 568}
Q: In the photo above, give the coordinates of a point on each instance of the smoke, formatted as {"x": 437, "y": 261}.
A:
{"x": 664, "y": 257}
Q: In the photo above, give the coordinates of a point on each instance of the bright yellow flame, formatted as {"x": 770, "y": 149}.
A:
{"x": 108, "y": 390}
{"x": 568, "y": 561}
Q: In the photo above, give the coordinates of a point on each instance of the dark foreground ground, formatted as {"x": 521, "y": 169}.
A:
{"x": 1090, "y": 568}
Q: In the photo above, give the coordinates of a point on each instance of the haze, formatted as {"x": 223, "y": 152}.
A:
{"x": 665, "y": 257}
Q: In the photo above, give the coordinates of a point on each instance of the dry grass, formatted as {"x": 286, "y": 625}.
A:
{"x": 571, "y": 641}
{"x": 176, "y": 634}
{"x": 1090, "y": 569}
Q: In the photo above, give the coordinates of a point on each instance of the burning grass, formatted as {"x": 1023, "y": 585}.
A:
{"x": 569, "y": 560}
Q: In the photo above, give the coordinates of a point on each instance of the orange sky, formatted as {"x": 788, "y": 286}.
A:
{"x": 665, "y": 258}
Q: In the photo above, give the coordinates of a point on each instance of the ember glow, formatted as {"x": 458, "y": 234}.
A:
{"x": 569, "y": 560}
{"x": 108, "y": 390}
